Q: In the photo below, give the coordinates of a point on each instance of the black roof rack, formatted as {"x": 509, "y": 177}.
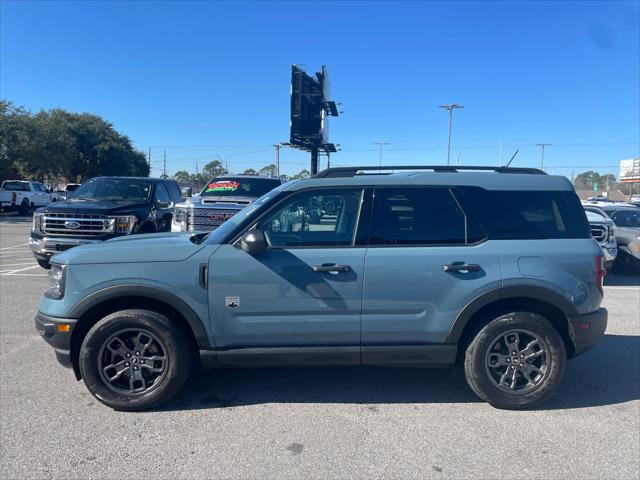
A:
{"x": 337, "y": 172}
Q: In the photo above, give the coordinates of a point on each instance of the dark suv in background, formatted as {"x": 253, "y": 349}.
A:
{"x": 103, "y": 208}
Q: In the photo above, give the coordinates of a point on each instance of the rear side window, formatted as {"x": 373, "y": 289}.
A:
{"x": 420, "y": 216}
{"x": 507, "y": 214}
{"x": 15, "y": 186}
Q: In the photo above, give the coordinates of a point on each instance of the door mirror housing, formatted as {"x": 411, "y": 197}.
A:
{"x": 253, "y": 242}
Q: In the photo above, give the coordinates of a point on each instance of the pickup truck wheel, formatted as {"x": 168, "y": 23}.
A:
{"x": 44, "y": 263}
{"x": 134, "y": 360}
{"x": 516, "y": 361}
{"x": 25, "y": 206}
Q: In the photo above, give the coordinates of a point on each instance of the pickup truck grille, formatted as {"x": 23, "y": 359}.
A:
{"x": 208, "y": 219}
{"x": 60, "y": 224}
{"x": 599, "y": 233}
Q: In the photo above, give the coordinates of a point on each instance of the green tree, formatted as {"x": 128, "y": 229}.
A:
{"x": 269, "y": 170}
{"x": 213, "y": 169}
{"x": 304, "y": 173}
{"x": 182, "y": 176}
{"x": 249, "y": 171}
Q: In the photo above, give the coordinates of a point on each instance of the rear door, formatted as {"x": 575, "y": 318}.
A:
{"x": 426, "y": 260}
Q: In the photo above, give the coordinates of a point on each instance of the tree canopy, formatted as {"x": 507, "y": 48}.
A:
{"x": 60, "y": 146}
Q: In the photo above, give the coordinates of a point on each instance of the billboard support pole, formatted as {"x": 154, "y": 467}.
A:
{"x": 314, "y": 160}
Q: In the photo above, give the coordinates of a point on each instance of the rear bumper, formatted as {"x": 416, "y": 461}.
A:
{"x": 52, "y": 330}
{"x": 587, "y": 329}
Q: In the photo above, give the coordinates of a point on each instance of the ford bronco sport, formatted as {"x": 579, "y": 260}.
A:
{"x": 493, "y": 269}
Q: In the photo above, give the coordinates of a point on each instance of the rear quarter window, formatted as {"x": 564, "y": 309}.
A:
{"x": 508, "y": 214}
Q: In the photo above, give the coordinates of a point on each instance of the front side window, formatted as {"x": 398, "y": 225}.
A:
{"x": 316, "y": 218}
{"x": 420, "y": 216}
{"x": 162, "y": 197}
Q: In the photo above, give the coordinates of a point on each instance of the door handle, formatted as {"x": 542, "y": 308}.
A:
{"x": 203, "y": 275}
{"x": 326, "y": 267}
{"x": 464, "y": 267}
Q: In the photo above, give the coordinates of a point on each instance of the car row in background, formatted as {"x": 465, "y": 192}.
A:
{"x": 103, "y": 208}
{"x": 626, "y": 226}
{"x": 220, "y": 199}
{"x": 23, "y": 196}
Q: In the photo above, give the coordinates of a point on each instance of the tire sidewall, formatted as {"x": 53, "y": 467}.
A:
{"x": 475, "y": 368}
{"x": 178, "y": 358}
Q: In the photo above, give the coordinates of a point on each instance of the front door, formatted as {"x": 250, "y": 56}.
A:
{"x": 416, "y": 281}
{"x": 305, "y": 289}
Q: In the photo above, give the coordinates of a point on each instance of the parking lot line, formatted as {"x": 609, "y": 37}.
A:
{"x": 23, "y": 269}
{"x": 14, "y": 246}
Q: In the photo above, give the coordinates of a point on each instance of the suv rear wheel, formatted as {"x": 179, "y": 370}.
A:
{"x": 134, "y": 360}
{"x": 516, "y": 361}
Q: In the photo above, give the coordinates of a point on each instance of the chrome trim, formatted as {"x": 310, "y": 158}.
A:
{"x": 89, "y": 225}
{"x": 47, "y": 245}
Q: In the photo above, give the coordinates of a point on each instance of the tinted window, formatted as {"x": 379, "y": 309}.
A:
{"x": 114, "y": 189}
{"x": 239, "y": 187}
{"x": 507, "y": 214}
{"x": 174, "y": 192}
{"x": 420, "y": 216}
{"x": 318, "y": 218}
{"x": 16, "y": 186}
{"x": 162, "y": 196}
{"x": 627, "y": 218}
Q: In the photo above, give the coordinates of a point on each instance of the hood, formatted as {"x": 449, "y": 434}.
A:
{"x": 94, "y": 207}
{"x": 593, "y": 217}
{"x": 153, "y": 247}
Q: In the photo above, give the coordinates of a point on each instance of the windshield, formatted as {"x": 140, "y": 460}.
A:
{"x": 227, "y": 228}
{"x": 114, "y": 189}
{"x": 627, "y": 218}
{"x": 239, "y": 187}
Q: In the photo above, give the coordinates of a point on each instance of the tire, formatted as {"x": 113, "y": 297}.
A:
{"x": 626, "y": 264}
{"x": 485, "y": 358}
{"x": 44, "y": 263}
{"x": 109, "y": 351}
{"x": 24, "y": 208}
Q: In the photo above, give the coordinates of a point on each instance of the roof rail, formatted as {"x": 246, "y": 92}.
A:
{"x": 336, "y": 172}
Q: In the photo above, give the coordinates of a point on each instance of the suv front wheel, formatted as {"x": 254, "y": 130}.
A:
{"x": 516, "y": 361}
{"x": 134, "y": 360}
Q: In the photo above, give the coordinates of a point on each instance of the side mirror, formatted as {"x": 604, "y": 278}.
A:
{"x": 253, "y": 242}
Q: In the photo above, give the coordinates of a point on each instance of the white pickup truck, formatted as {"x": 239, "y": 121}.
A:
{"x": 23, "y": 196}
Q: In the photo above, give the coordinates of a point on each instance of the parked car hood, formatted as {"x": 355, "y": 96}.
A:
{"x": 94, "y": 207}
{"x": 153, "y": 247}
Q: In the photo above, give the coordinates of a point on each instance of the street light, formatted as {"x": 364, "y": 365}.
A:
{"x": 380, "y": 144}
{"x": 542, "y": 145}
{"x": 450, "y": 107}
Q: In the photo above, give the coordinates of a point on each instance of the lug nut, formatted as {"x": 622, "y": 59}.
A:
{"x": 141, "y": 361}
{"x": 135, "y": 368}
{"x": 126, "y": 364}
{"x": 514, "y": 353}
{"x": 128, "y": 355}
{"x": 137, "y": 353}
{"x": 522, "y": 364}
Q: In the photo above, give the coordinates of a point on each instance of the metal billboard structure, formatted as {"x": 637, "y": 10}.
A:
{"x": 311, "y": 106}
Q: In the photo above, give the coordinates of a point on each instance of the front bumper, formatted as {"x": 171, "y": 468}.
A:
{"x": 587, "y": 329}
{"x": 610, "y": 254}
{"x": 45, "y": 247}
{"x": 57, "y": 333}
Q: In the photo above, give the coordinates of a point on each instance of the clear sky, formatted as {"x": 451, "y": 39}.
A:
{"x": 202, "y": 79}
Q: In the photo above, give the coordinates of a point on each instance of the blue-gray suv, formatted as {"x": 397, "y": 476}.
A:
{"x": 493, "y": 269}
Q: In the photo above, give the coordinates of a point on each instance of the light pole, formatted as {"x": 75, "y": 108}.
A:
{"x": 450, "y": 107}
{"x": 542, "y": 145}
{"x": 380, "y": 144}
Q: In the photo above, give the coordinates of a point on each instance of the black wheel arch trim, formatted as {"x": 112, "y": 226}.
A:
{"x": 531, "y": 292}
{"x": 152, "y": 293}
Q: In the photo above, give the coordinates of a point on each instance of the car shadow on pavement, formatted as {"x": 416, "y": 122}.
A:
{"x": 616, "y": 280}
{"x": 608, "y": 374}
{"x": 13, "y": 218}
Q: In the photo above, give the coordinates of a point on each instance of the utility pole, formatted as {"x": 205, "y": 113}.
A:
{"x": 380, "y": 144}
{"x": 149, "y": 158}
{"x": 196, "y": 167}
{"x": 277, "y": 147}
{"x": 542, "y": 145}
{"x": 500, "y": 154}
{"x": 164, "y": 165}
{"x": 450, "y": 107}
{"x": 328, "y": 159}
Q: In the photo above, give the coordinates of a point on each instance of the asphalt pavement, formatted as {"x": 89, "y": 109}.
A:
{"x": 312, "y": 422}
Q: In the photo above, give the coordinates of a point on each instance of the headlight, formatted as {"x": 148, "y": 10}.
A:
{"x": 612, "y": 233}
{"x": 179, "y": 221}
{"x": 57, "y": 279}
{"x": 37, "y": 222}
{"x": 125, "y": 224}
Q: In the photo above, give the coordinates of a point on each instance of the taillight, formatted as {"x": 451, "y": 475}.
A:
{"x": 13, "y": 197}
{"x": 601, "y": 272}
